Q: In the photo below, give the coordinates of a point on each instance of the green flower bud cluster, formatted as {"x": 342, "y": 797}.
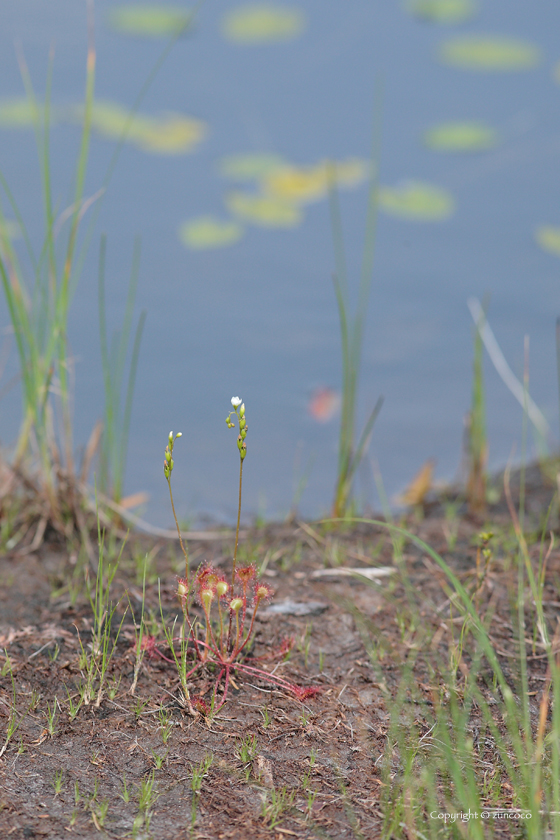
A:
{"x": 239, "y": 409}
{"x": 168, "y": 461}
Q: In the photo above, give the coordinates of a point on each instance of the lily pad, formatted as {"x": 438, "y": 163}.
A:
{"x": 263, "y": 210}
{"x": 249, "y": 167}
{"x": 209, "y": 232}
{"x": 418, "y": 201}
{"x": 548, "y": 237}
{"x": 443, "y": 11}
{"x": 304, "y": 184}
{"x": 18, "y": 113}
{"x": 263, "y": 23}
{"x": 149, "y": 21}
{"x": 461, "y": 137}
{"x": 170, "y": 134}
{"x": 489, "y": 54}
{"x": 297, "y": 185}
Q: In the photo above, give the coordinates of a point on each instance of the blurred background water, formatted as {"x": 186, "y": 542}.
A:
{"x": 258, "y": 318}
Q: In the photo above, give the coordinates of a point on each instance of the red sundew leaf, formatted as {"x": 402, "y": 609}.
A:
{"x": 200, "y": 705}
{"x": 304, "y": 693}
{"x": 263, "y": 592}
{"x": 246, "y": 574}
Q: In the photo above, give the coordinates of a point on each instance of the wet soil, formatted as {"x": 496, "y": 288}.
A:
{"x": 281, "y": 767}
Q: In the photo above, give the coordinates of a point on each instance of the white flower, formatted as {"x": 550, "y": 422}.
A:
{"x": 235, "y": 401}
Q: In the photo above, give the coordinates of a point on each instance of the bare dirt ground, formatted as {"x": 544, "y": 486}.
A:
{"x": 280, "y": 768}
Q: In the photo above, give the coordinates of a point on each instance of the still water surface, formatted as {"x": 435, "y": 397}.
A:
{"x": 258, "y": 318}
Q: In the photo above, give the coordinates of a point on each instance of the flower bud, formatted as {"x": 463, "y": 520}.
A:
{"x": 170, "y": 436}
{"x": 182, "y": 588}
{"x": 242, "y": 410}
{"x": 206, "y": 596}
{"x": 235, "y": 604}
{"x": 221, "y": 588}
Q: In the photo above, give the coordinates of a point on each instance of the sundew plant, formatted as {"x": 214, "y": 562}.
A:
{"x": 221, "y": 638}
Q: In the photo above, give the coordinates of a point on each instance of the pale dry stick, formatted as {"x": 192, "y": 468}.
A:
{"x": 506, "y": 374}
{"x": 202, "y": 536}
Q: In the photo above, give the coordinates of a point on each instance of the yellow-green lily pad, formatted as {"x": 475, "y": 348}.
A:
{"x": 17, "y": 112}
{"x": 304, "y": 184}
{"x": 443, "y": 11}
{"x": 417, "y": 200}
{"x": 461, "y": 137}
{"x": 263, "y": 23}
{"x": 489, "y": 54}
{"x": 297, "y": 185}
{"x": 149, "y": 21}
{"x": 548, "y": 237}
{"x": 250, "y": 167}
{"x": 263, "y": 210}
{"x": 169, "y": 134}
{"x": 209, "y": 232}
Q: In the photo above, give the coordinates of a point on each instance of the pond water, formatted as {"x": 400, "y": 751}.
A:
{"x": 257, "y": 317}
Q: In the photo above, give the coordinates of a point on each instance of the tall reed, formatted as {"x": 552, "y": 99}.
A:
{"x": 114, "y": 441}
{"x": 477, "y": 444}
{"x": 39, "y": 311}
{"x": 351, "y": 453}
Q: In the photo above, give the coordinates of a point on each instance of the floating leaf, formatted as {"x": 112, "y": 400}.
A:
{"x": 417, "y": 200}
{"x": 486, "y": 53}
{"x": 209, "y": 232}
{"x": 461, "y": 137}
{"x": 304, "y": 184}
{"x": 352, "y": 172}
{"x": 170, "y": 134}
{"x": 548, "y": 238}
{"x": 249, "y": 167}
{"x": 18, "y": 113}
{"x": 443, "y": 11}
{"x": 149, "y": 21}
{"x": 267, "y": 211}
{"x": 292, "y": 184}
{"x": 262, "y": 23}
